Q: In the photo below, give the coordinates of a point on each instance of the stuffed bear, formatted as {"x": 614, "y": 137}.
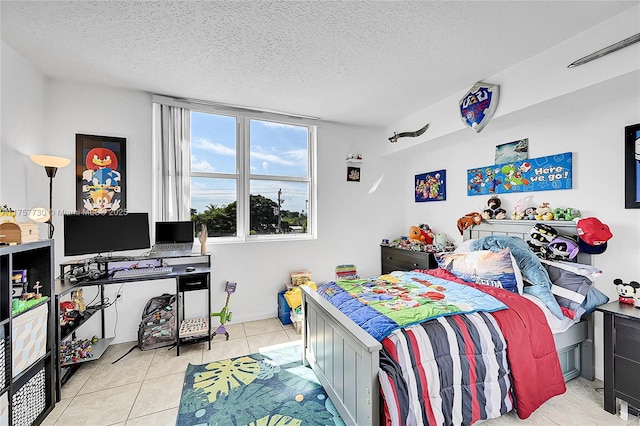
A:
{"x": 494, "y": 211}
{"x": 627, "y": 292}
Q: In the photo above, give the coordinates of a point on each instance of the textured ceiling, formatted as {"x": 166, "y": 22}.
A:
{"x": 357, "y": 62}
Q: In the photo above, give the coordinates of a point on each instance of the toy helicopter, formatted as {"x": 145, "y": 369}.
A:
{"x": 224, "y": 314}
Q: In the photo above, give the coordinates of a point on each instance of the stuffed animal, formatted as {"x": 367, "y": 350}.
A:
{"x": 470, "y": 219}
{"x": 494, "y": 211}
{"x": 541, "y": 235}
{"x": 544, "y": 212}
{"x": 427, "y": 233}
{"x": 627, "y": 292}
{"x": 566, "y": 214}
{"x": 530, "y": 213}
{"x": 421, "y": 233}
{"x": 518, "y": 213}
{"x": 560, "y": 248}
{"x": 78, "y": 300}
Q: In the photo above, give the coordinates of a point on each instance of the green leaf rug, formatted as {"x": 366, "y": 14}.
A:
{"x": 271, "y": 388}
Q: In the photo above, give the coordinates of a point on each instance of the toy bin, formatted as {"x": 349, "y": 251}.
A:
{"x": 29, "y": 338}
{"x": 283, "y": 309}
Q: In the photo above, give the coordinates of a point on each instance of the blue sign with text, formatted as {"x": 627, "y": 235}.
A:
{"x": 535, "y": 174}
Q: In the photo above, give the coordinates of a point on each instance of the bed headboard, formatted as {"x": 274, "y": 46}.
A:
{"x": 521, "y": 229}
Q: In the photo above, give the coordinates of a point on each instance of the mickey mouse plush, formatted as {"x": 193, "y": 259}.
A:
{"x": 627, "y": 292}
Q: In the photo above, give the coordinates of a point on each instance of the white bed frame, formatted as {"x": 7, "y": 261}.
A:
{"x": 346, "y": 359}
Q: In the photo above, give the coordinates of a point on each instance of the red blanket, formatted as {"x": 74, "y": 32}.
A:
{"x": 532, "y": 355}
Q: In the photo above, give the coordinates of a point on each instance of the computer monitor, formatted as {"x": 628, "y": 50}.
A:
{"x": 174, "y": 232}
{"x": 105, "y": 233}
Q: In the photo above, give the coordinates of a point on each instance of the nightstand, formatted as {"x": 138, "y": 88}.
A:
{"x": 621, "y": 356}
{"x": 397, "y": 259}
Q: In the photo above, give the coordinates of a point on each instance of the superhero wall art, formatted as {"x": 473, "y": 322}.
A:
{"x": 100, "y": 174}
{"x": 534, "y": 174}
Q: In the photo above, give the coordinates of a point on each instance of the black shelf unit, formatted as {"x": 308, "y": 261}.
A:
{"x": 27, "y": 384}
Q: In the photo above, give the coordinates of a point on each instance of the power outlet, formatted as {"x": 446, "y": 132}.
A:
{"x": 120, "y": 296}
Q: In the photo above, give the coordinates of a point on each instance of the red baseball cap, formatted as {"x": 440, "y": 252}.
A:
{"x": 593, "y": 232}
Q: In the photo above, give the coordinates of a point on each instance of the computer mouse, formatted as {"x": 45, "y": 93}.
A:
{"x": 190, "y": 268}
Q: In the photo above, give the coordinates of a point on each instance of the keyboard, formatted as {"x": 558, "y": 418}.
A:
{"x": 142, "y": 272}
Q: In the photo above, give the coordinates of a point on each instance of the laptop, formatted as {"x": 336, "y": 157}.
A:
{"x": 173, "y": 239}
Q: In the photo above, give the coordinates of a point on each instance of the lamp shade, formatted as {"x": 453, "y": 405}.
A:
{"x": 50, "y": 161}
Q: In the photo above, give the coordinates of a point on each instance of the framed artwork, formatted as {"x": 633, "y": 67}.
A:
{"x": 632, "y": 167}
{"x": 431, "y": 186}
{"x": 512, "y": 151}
{"x": 100, "y": 174}
{"x": 353, "y": 174}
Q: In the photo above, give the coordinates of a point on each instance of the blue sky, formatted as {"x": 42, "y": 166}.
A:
{"x": 276, "y": 150}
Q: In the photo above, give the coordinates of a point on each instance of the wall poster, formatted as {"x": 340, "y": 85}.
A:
{"x": 534, "y": 174}
{"x": 100, "y": 174}
{"x": 512, "y": 151}
{"x": 632, "y": 167}
{"x": 431, "y": 186}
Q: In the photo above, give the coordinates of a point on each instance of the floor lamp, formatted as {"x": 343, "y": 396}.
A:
{"x": 51, "y": 165}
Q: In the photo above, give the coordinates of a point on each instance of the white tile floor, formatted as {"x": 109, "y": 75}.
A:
{"x": 144, "y": 387}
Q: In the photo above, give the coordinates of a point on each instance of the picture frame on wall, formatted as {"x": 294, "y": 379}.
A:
{"x": 431, "y": 186}
{"x": 632, "y": 166}
{"x": 100, "y": 174}
{"x": 512, "y": 151}
{"x": 353, "y": 174}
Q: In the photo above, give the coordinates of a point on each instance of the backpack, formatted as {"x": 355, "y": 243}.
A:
{"x": 158, "y": 325}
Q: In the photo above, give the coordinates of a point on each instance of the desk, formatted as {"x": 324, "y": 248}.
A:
{"x": 192, "y": 280}
{"x": 621, "y": 356}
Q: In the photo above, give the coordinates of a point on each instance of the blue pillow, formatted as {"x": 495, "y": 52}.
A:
{"x": 594, "y": 299}
{"x": 532, "y": 270}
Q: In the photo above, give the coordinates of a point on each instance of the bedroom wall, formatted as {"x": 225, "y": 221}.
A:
{"x": 352, "y": 217}
{"x": 585, "y": 114}
{"x": 22, "y": 130}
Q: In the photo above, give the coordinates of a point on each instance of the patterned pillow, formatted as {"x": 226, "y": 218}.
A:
{"x": 532, "y": 270}
{"x": 481, "y": 267}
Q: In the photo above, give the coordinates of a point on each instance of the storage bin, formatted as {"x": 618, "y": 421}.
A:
{"x": 29, "y": 337}
{"x": 283, "y": 309}
{"x": 28, "y": 402}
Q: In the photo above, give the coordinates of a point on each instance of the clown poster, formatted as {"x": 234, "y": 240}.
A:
{"x": 534, "y": 174}
{"x": 100, "y": 174}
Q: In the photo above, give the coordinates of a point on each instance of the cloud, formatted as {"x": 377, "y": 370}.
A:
{"x": 265, "y": 166}
{"x": 215, "y": 147}
{"x": 198, "y": 165}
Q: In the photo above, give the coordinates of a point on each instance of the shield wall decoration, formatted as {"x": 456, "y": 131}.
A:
{"x": 479, "y": 104}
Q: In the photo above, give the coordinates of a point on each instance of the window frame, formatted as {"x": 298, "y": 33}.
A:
{"x": 243, "y": 175}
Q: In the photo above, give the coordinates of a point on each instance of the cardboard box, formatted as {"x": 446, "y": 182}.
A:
{"x": 300, "y": 277}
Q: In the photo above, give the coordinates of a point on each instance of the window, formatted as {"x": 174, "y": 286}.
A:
{"x": 251, "y": 178}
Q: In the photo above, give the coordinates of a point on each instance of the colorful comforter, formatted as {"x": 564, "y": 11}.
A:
{"x": 383, "y": 304}
{"x": 460, "y": 369}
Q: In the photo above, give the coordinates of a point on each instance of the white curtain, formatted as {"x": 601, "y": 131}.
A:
{"x": 171, "y": 161}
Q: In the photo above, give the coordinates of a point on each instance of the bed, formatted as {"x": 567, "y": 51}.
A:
{"x": 346, "y": 359}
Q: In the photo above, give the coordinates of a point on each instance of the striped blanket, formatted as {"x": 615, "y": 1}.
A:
{"x": 451, "y": 370}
